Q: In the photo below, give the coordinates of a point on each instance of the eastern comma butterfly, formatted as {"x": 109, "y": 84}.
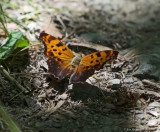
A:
{"x": 62, "y": 62}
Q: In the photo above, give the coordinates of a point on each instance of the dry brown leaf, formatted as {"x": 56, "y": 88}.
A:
{"x": 50, "y": 28}
{"x": 127, "y": 98}
{"x": 91, "y": 46}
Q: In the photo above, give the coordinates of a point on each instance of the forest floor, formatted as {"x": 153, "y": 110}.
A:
{"x": 123, "y": 96}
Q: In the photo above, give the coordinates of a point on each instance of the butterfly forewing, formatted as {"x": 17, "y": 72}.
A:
{"x": 55, "y": 48}
{"x": 97, "y": 59}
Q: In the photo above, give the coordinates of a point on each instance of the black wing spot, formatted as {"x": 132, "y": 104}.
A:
{"x": 92, "y": 56}
{"x": 95, "y": 66}
{"x": 59, "y": 53}
{"x": 54, "y": 50}
{"x": 101, "y": 58}
{"x": 44, "y": 39}
{"x": 87, "y": 67}
{"x": 59, "y": 44}
{"x": 52, "y": 46}
{"x": 43, "y": 34}
{"x": 98, "y": 54}
{"x": 50, "y": 54}
{"x": 64, "y": 49}
{"x": 59, "y": 59}
{"x": 49, "y": 40}
{"x": 91, "y": 62}
{"x": 107, "y": 55}
{"x": 97, "y": 60}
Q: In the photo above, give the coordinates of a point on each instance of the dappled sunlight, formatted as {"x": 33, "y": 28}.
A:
{"x": 37, "y": 82}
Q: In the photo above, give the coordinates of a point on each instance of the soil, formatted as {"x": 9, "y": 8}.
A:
{"x": 115, "y": 98}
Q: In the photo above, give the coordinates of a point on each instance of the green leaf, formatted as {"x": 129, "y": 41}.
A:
{"x": 16, "y": 40}
{"x": 21, "y": 43}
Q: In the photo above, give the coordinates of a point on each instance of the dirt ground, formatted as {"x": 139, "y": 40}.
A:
{"x": 123, "y": 96}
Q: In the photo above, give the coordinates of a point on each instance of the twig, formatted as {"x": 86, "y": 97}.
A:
{"x": 151, "y": 83}
{"x": 69, "y": 34}
{"x": 62, "y": 23}
{"x": 12, "y": 80}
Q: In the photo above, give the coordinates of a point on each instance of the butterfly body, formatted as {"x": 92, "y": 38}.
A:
{"x": 76, "y": 60}
{"x": 62, "y": 62}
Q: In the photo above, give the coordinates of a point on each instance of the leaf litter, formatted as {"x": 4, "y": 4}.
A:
{"x": 111, "y": 100}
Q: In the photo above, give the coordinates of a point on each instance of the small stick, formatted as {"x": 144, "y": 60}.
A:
{"x": 69, "y": 34}
{"x": 151, "y": 83}
{"x": 12, "y": 80}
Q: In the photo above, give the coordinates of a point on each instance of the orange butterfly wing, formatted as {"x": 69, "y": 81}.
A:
{"x": 59, "y": 55}
{"x": 90, "y": 63}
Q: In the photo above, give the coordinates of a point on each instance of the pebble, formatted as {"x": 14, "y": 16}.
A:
{"x": 36, "y": 82}
{"x": 154, "y": 104}
{"x": 138, "y": 103}
{"x": 140, "y": 116}
{"x": 70, "y": 86}
{"x": 115, "y": 83}
{"x": 129, "y": 80}
{"x": 63, "y": 96}
{"x": 153, "y": 123}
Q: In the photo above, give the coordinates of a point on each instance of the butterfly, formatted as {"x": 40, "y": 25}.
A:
{"x": 63, "y": 63}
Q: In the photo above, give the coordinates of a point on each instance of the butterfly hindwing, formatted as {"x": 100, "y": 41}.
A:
{"x": 57, "y": 67}
{"x": 81, "y": 74}
{"x": 90, "y": 63}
